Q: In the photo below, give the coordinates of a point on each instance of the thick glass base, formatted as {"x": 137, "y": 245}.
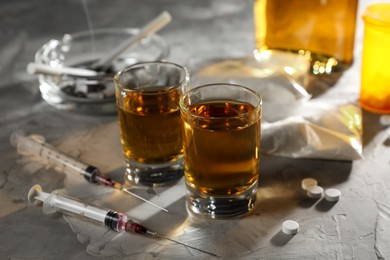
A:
{"x": 154, "y": 174}
{"x": 221, "y": 207}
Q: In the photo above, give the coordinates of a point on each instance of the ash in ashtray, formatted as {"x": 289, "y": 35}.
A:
{"x": 95, "y": 88}
{"x": 90, "y": 91}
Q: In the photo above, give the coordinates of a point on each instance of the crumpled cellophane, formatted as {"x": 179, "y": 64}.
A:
{"x": 316, "y": 129}
{"x": 293, "y": 124}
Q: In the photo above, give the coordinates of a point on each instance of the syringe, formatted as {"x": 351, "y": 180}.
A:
{"x": 52, "y": 202}
{"x": 35, "y": 146}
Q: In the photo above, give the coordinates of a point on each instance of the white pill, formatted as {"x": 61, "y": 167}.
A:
{"x": 309, "y": 183}
{"x": 332, "y": 194}
{"x": 384, "y": 120}
{"x": 290, "y": 227}
{"x": 315, "y": 192}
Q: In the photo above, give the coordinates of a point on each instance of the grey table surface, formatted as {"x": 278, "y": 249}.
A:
{"x": 357, "y": 227}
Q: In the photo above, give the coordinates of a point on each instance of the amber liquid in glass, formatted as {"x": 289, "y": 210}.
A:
{"x": 150, "y": 126}
{"x": 324, "y": 30}
{"x": 221, "y": 148}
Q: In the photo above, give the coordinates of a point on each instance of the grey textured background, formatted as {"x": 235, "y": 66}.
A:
{"x": 357, "y": 227}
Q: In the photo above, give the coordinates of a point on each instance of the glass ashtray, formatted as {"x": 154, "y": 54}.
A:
{"x": 92, "y": 95}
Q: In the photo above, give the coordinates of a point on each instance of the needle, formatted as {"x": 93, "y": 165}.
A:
{"x": 139, "y": 197}
{"x": 180, "y": 243}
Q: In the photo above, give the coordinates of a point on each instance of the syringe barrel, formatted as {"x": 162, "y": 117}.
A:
{"x": 55, "y": 202}
{"x": 66, "y": 205}
{"x": 111, "y": 219}
{"x": 35, "y": 145}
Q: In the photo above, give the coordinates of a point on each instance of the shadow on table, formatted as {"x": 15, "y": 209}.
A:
{"x": 28, "y": 232}
{"x": 281, "y": 239}
{"x": 319, "y": 84}
{"x": 274, "y": 169}
{"x": 280, "y": 181}
{"x": 371, "y": 126}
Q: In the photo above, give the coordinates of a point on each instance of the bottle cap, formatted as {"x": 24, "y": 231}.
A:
{"x": 290, "y": 227}
{"x": 308, "y": 183}
{"x": 332, "y": 194}
{"x": 315, "y": 192}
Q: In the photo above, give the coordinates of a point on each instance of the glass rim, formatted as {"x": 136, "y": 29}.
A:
{"x": 257, "y": 107}
{"x": 142, "y": 64}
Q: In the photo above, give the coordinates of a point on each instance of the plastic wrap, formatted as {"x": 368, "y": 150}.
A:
{"x": 319, "y": 129}
{"x": 293, "y": 125}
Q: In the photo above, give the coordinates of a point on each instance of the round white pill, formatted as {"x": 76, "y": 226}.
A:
{"x": 308, "y": 183}
{"x": 332, "y": 194}
{"x": 384, "y": 120}
{"x": 290, "y": 227}
{"x": 315, "y": 192}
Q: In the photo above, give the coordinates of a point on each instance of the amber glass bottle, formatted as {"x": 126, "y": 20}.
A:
{"x": 322, "y": 30}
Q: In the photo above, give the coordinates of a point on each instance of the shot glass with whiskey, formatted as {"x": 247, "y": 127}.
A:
{"x": 221, "y": 140}
{"x": 147, "y": 96}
